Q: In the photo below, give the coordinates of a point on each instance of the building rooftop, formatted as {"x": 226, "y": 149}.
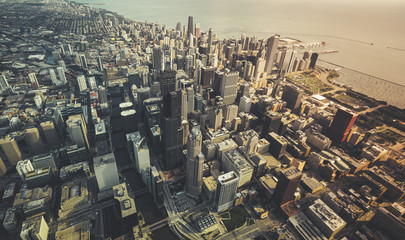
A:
{"x": 127, "y": 204}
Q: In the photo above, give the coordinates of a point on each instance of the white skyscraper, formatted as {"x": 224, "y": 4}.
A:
{"x": 3, "y": 82}
{"x": 62, "y": 64}
{"x": 76, "y": 127}
{"x": 138, "y": 150}
{"x": 53, "y": 77}
{"x": 81, "y": 81}
{"x": 62, "y": 76}
{"x": 194, "y": 163}
{"x": 227, "y": 185}
{"x": 106, "y": 171}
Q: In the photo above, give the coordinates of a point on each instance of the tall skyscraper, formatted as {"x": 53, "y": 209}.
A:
{"x": 158, "y": 58}
{"x": 341, "y": 125}
{"x": 278, "y": 145}
{"x": 167, "y": 82}
{"x": 53, "y": 77}
{"x": 272, "y": 122}
{"x": 10, "y": 148}
{"x": 76, "y": 127}
{"x": 207, "y": 76}
{"x": 33, "y": 140}
{"x": 190, "y": 25}
{"x": 83, "y": 61}
{"x": 272, "y": 46}
{"x": 33, "y": 80}
{"x": 62, "y": 64}
{"x": 227, "y": 85}
{"x": 210, "y": 37}
{"x": 81, "y": 81}
{"x": 138, "y": 150}
{"x": 3, "y": 82}
{"x": 190, "y": 100}
{"x": 106, "y": 171}
{"x": 227, "y": 186}
{"x": 216, "y": 118}
{"x": 292, "y": 95}
{"x": 197, "y": 30}
{"x": 172, "y": 133}
{"x": 287, "y": 184}
{"x": 314, "y": 58}
{"x": 195, "y": 162}
{"x": 61, "y": 74}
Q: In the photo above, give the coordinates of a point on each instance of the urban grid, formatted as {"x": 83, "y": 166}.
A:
{"x": 116, "y": 129}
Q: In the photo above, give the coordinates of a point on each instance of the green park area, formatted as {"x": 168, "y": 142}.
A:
{"x": 332, "y": 75}
{"x": 234, "y": 218}
{"x": 310, "y": 82}
{"x": 353, "y": 100}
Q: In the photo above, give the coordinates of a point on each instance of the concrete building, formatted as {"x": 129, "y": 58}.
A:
{"x": 23, "y": 168}
{"x": 227, "y": 185}
{"x": 33, "y": 140}
{"x": 50, "y": 133}
{"x": 325, "y": 218}
{"x": 208, "y": 149}
{"x": 232, "y": 160}
{"x": 287, "y": 184}
{"x": 272, "y": 48}
{"x": 10, "y": 148}
{"x": 81, "y": 81}
{"x": 75, "y": 198}
{"x": 34, "y": 228}
{"x": 106, "y": 171}
{"x": 138, "y": 150}
{"x": 77, "y": 129}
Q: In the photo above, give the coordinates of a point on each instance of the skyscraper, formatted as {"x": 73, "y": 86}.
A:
{"x": 207, "y": 76}
{"x": 33, "y": 140}
{"x": 172, "y": 133}
{"x": 272, "y": 45}
{"x": 190, "y": 25}
{"x": 76, "y": 127}
{"x": 53, "y": 77}
{"x": 195, "y": 162}
{"x": 83, "y": 61}
{"x": 341, "y": 125}
{"x": 10, "y": 148}
{"x": 167, "y": 82}
{"x": 61, "y": 74}
{"x": 33, "y": 80}
{"x": 227, "y": 186}
{"x": 158, "y": 58}
{"x": 314, "y": 58}
{"x": 227, "y": 85}
{"x": 292, "y": 95}
{"x": 81, "y": 81}
{"x": 197, "y": 30}
{"x": 106, "y": 171}
{"x": 3, "y": 82}
{"x": 287, "y": 184}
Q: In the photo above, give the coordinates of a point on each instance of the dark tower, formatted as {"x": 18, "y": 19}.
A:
{"x": 341, "y": 125}
{"x": 167, "y": 82}
{"x": 172, "y": 133}
{"x": 314, "y": 58}
{"x": 292, "y": 95}
{"x": 272, "y": 123}
{"x": 190, "y": 26}
{"x": 288, "y": 182}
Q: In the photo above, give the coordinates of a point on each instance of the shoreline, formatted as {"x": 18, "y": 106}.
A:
{"x": 369, "y": 92}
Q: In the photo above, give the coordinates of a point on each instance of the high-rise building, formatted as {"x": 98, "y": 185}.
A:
{"x": 194, "y": 163}
{"x": 272, "y": 122}
{"x": 272, "y": 48}
{"x": 216, "y": 118}
{"x": 292, "y": 95}
{"x": 62, "y": 64}
{"x": 314, "y": 58}
{"x": 3, "y": 168}
{"x": 172, "y": 132}
{"x": 278, "y": 145}
{"x": 197, "y": 30}
{"x": 81, "y": 81}
{"x": 228, "y": 85}
{"x": 158, "y": 58}
{"x": 53, "y": 77}
{"x": 61, "y": 74}
{"x": 106, "y": 171}
{"x": 287, "y": 184}
{"x": 210, "y": 37}
{"x": 341, "y": 125}
{"x": 207, "y": 76}
{"x": 34, "y": 141}
{"x": 3, "y": 82}
{"x": 44, "y": 161}
{"x": 129, "y": 120}
{"x": 10, "y": 148}
{"x": 233, "y": 160}
{"x": 33, "y": 80}
{"x": 34, "y": 228}
{"x": 190, "y": 100}
{"x": 76, "y": 127}
{"x": 227, "y": 186}
{"x": 168, "y": 82}
{"x": 83, "y": 61}
{"x": 138, "y": 150}
{"x": 190, "y": 26}
{"x": 245, "y": 104}
{"x": 23, "y": 168}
